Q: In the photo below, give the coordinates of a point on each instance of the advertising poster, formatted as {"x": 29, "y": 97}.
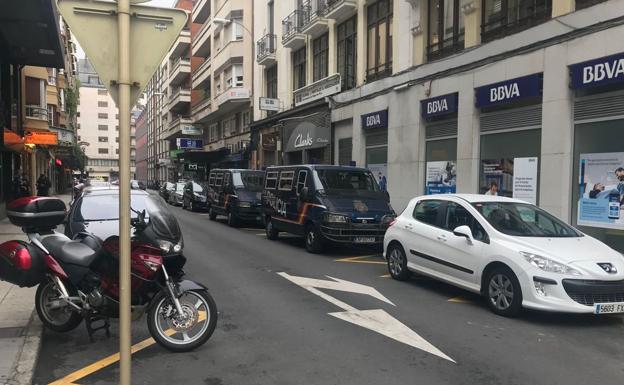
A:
{"x": 380, "y": 171}
{"x": 601, "y": 190}
{"x": 499, "y": 171}
{"x": 441, "y": 177}
{"x": 525, "y": 179}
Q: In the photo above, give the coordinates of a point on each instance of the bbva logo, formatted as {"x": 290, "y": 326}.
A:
{"x": 504, "y": 92}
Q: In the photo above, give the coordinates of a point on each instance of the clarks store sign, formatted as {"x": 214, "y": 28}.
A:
{"x": 308, "y": 135}
{"x": 598, "y": 72}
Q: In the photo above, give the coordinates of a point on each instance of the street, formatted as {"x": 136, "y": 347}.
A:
{"x": 272, "y": 330}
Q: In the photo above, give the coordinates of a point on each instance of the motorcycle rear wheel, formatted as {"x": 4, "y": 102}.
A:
{"x": 52, "y": 311}
{"x": 173, "y": 333}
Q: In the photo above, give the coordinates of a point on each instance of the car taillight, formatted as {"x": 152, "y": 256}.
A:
{"x": 392, "y": 222}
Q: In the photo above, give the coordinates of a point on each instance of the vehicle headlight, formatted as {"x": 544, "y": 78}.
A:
{"x": 244, "y": 204}
{"x": 178, "y": 246}
{"x": 548, "y": 264}
{"x": 165, "y": 246}
{"x": 335, "y": 218}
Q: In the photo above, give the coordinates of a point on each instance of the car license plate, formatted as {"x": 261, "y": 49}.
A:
{"x": 609, "y": 308}
{"x": 364, "y": 240}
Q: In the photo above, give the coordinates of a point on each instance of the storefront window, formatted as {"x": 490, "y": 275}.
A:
{"x": 441, "y": 166}
{"x": 504, "y": 17}
{"x": 511, "y": 161}
{"x": 598, "y": 181}
{"x": 377, "y": 156}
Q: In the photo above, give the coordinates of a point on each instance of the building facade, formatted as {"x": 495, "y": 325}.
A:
{"x": 141, "y": 146}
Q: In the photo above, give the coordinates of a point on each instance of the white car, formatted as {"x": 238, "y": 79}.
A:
{"x": 513, "y": 253}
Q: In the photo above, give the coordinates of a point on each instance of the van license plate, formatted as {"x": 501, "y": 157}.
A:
{"x": 364, "y": 240}
{"x": 609, "y": 308}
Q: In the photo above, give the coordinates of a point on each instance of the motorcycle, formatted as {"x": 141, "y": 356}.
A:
{"x": 78, "y": 279}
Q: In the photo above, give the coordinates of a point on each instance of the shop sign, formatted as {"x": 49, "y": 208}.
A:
{"x": 233, "y": 94}
{"x": 269, "y": 104}
{"x": 601, "y": 193}
{"x": 11, "y": 138}
{"x": 269, "y": 142}
{"x": 439, "y": 106}
{"x": 65, "y": 137}
{"x": 441, "y": 177}
{"x": 375, "y": 120}
{"x": 598, "y": 72}
{"x": 174, "y": 153}
{"x": 525, "y": 179}
{"x": 318, "y": 90}
{"x": 187, "y": 143}
{"x": 189, "y": 129}
{"x": 164, "y": 161}
{"x": 45, "y": 138}
{"x": 509, "y": 91}
{"x": 308, "y": 135}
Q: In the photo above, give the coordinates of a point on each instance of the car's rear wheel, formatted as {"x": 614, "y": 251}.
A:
{"x": 397, "y": 262}
{"x": 232, "y": 221}
{"x": 503, "y": 292}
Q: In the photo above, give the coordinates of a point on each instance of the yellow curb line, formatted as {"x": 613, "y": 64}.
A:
{"x": 459, "y": 299}
{"x": 359, "y": 259}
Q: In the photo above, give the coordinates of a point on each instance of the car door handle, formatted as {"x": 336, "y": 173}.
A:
{"x": 409, "y": 227}
{"x": 442, "y": 238}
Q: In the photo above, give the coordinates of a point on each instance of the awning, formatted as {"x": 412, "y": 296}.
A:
{"x": 30, "y": 33}
{"x": 203, "y": 156}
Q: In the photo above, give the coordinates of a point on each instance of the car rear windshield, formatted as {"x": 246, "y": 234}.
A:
{"x": 180, "y": 187}
{"x": 106, "y": 207}
{"x": 524, "y": 220}
{"x": 354, "y": 180}
{"x": 197, "y": 188}
{"x": 249, "y": 180}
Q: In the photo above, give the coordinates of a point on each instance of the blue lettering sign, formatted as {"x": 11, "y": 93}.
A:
{"x": 185, "y": 143}
{"x": 598, "y": 72}
{"x": 509, "y": 91}
{"x": 439, "y": 106}
{"x": 377, "y": 119}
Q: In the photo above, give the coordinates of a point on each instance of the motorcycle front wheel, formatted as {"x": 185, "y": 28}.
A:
{"x": 183, "y": 333}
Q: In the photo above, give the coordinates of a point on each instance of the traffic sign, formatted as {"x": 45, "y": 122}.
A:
{"x": 152, "y": 32}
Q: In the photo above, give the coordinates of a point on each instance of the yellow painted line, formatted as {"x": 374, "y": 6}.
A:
{"x": 459, "y": 299}
{"x": 108, "y": 361}
{"x": 261, "y": 234}
{"x": 361, "y": 259}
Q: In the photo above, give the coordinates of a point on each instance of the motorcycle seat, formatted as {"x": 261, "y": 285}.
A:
{"x": 68, "y": 251}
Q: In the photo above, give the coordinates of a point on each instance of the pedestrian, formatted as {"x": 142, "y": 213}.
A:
{"x": 43, "y": 185}
{"x": 493, "y": 190}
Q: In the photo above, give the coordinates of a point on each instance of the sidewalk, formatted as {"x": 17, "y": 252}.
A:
{"x": 20, "y": 329}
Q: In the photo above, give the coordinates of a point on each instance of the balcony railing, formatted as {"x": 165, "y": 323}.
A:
{"x": 292, "y": 24}
{"x": 266, "y": 46}
{"x": 36, "y": 112}
{"x": 503, "y": 23}
{"x": 179, "y": 62}
{"x": 446, "y": 47}
{"x": 312, "y": 10}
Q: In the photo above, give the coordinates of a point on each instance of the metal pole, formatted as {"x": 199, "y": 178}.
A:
{"x": 125, "y": 355}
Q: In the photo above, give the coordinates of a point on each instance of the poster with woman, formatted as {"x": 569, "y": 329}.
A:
{"x": 601, "y": 190}
{"x": 441, "y": 177}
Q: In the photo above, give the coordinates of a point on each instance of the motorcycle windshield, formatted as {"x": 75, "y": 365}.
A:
{"x": 163, "y": 222}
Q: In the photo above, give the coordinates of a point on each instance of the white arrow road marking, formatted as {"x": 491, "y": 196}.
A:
{"x": 376, "y": 320}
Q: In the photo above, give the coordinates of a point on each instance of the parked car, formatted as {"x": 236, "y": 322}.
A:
{"x": 513, "y": 253}
{"x": 166, "y": 189}
{"x": 194, "y": 197}
{"x": 176, "y": 196}
{"x": 236, "y": 194}
{"x": 96, "y": 212}
{"x": 325, "y": 204}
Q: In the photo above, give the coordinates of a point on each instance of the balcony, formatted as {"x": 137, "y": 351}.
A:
{"x": 201, "y": 75}
{"x": 179, "y": 99}
{"x": 180, "y": 71}
{"x": 292, "y": 37}
{"x": 314, "y": 22}
{"x": 202, "y": 110}
{"x": 201, "y": 11}
{"x": 201, "y": 42}
{"x": 36, "y": 112}
{"x": 178, "y": 127}
{"x": 265, "y": 50}
{"x": 182, "y": 43}
{"x": 340, "y": 10}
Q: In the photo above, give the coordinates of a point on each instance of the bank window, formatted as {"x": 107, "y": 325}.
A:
{"x": 102, "y": 150}
{"x": 427, "y": 211}
{"x": 347, "y": 52}
{"x": 286, "y": 180}
{"x": 379, "y": 40}
{"x": 301, "y": 180}
{"x": 102, "y": 115}
{"x": 505, "y": 17}
{"x": 299, "y": 68}
{"x": 219, "y": 179}
{"x": 271, "y": 180}
{"x": 320, "y": 51}
{"x": 446, "y": 28}
{"x": 441, "y": 166}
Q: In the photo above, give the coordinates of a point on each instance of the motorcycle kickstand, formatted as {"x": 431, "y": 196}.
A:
{"x": 90, "y": 320}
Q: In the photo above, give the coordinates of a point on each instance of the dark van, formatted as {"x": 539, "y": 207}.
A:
{"x": 325, "y": 204}
{"x": 235, "y": 193}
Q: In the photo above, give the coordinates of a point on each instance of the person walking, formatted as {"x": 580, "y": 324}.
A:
{"x": 493, "y": 189}
{"x": 43, "y": 185}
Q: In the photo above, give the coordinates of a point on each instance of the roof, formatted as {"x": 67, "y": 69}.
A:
{"x": 319, "y": 167}
{"x": 235, "y": 169}
{"x": 474, "y": 198}
{"x": 112, "y": 190}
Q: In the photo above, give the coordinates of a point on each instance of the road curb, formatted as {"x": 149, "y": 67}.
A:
{"x": 24, "y": 368}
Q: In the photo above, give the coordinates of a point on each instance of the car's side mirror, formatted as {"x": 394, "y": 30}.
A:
{"x": 464, "y": 231}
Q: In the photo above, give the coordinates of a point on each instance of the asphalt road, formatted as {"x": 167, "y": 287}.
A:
{"x": 272, "y": 331}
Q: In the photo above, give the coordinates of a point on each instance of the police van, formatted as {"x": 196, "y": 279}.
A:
{"x": 325, "y": 204}
{"x": 235, "y": 193}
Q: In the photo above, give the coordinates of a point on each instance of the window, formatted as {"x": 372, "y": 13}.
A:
{"x": 347, "y": 52}
{"x": 103, "y": 139}
{"x": 299, "y": 68}
{"x": 102, "y": 104}
{"x": 446, "y": 28}
{"x": 320, "y": 50}
{"x": 219, "y": 179}
{"x": 245, "y": 115}
{"x": 117, "y": 116}
{"x": 379, "y": 61}
{"x": 301, "y": 180}
{"x": 116, "y": 128}
{"x": 271, "y": 180}
{"x": 237, "y": 75}
{"x": 102, "y": 115}
{"x": 117, "y": 140}
{"x": 117, "y": 151}
{"x": 271, "y": 82}
{"x": 102, "y": 127}
{"x": 102, "y": 150}
{"x": 427, "y": 211}
{"x": 237, "y": 29}
{"x": 211, "y": 179}
{"x": 286, "y": 180}
{"x": 271, "y": 13}
{"x": 52, "y": 118}
{"x": 504, "y": 17}
{"x": 102, "y": 92}
{"x": 345, "y": 149}
{"x": 457, "y": 215}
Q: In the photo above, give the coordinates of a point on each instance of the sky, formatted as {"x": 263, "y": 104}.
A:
{"x": 153, "y": 3}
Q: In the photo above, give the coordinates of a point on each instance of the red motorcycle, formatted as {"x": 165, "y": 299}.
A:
{"x": 79, "y": 279}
